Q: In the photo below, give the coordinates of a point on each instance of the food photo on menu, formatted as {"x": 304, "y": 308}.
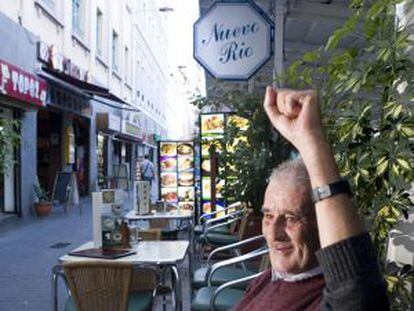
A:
{"x": 169, "y": 194}
{"x": 168, "y": 164}
{"x": 186, "y": 179}
{"x": 185, "y": 149}
{"x": 239, "y": 122}
{"x": 212, "y": 123}
{"x": 207, "y": 142}
{"x": 168, "y": 180}
{"x": 206, "y": 187}
{"x": 185, "y": 163}
{"x": 168, "y": 149}
{"x": 186, "y": 205}
{"x": 205, "y": 166}
{"x": 207, "y": 206}
{"x": 186, "y": 193}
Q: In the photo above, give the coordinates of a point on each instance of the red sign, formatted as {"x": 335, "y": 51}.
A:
{"x": 22, "y": 85}
{"x": 50, "y": 56}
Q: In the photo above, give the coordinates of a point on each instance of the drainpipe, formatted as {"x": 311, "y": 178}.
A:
{"x": 280, "y": 7}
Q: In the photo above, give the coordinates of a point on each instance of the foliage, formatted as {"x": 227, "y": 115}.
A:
{"x": 41, "y": 194}
{"x": 249, "y": 154}
{"x": 9, "y": 139}
{"x": 367, "y": 93}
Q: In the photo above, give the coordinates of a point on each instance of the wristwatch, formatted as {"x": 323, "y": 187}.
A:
{"x": 329, "y": 190}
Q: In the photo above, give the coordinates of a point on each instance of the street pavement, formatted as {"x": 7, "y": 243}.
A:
{"x": 31, "y": 246}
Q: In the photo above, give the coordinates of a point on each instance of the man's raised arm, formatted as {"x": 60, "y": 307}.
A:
{"x": 295, "y": 114}
{"x": 348, "y": 260}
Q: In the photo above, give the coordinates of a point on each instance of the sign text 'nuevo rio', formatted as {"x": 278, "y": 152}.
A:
{"x": 233, "y": 40}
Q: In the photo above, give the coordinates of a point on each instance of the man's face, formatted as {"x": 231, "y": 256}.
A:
{"x": 289, "y": 226}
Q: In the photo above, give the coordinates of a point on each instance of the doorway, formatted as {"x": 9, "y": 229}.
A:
{"x": 7, "y": 180}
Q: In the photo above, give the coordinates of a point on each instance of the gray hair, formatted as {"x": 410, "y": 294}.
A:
{"x": 295, "y": 170}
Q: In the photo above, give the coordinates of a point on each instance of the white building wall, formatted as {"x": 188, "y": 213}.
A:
{"x": 146, "y": 79}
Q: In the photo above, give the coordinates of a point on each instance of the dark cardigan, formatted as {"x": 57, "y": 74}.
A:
{"x": 352, "y": 276}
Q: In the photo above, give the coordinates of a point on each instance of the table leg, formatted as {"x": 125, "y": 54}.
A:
{"x": 176, "y": 273}
{"x": 54, "y": 287}
{"x": 191, "y": 248}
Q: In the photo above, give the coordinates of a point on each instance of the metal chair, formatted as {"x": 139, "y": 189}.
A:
{"x": 224, "y": 297}
{"x": 229, "y": 273}
{"x": 216, "y": 239}
{"x": 209, "y": 218}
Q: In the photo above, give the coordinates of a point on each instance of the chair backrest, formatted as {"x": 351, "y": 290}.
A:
{"x": 145, "y": 279}
{"x": 97, "y": 285}
{"x": 150, "y": 234}
{"x": 264, "y": 263}
{"x": 244, "y": 223}
{"x": 158, "y": 223}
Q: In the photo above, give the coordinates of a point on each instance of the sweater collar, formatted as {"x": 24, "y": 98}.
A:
{"x": 277, "y": 276}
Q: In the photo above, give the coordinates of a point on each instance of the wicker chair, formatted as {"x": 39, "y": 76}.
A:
{"x": 103, "y": 286}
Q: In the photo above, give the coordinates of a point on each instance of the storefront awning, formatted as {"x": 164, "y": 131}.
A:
{"x": 88, "y": 88}
{"x": 125, "y": 137}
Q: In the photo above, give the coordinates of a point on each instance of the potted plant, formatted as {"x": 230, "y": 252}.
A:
{"x": 42, "y": 205}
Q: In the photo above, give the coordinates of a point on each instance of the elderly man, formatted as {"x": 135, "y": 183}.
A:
{"x": 321, "y": 256}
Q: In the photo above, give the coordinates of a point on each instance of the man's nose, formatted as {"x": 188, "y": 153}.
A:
{"x": 279, "y": 230}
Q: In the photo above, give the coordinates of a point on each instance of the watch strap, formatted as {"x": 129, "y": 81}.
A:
{"x": 329, "y": 190}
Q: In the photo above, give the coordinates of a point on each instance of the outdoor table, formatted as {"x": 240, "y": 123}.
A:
{"x": 156, "y": 253}
{"x": 175, "y": 214}
{"x": 178, "y": 214}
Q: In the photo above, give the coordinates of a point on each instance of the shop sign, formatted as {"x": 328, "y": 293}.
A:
{"x": 22, "y": 85}
{"x": 50, "y": 56}
{"x": 233, "y": 39}
{"x": 130, "y": 124}
{"x": 108, "y": 121}
{"x": 157, "y": 137}
{"x": 148, "y": 138}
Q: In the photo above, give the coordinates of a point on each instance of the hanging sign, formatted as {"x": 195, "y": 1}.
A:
{"x": 49, "y": 55}
{"x": 19, "y": 84}
{"x": 130, "y": 124}
{"x": 233, "y": 39}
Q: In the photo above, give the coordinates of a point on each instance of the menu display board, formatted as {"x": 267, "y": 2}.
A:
{"x": 213, "y": 129}
{"x": 177, "y": 180}
{"x": 107, "y": 218}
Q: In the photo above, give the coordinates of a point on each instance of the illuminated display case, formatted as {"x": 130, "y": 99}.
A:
{"x": 213, "y": 128}
{"x": 176, "y": 173}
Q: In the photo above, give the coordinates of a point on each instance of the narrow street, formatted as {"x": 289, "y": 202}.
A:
{"x": 30, "y": 246}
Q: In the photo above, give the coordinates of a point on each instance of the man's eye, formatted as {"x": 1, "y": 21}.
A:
{"x": 292, "y": 219}
{"x": 268, "y": 216}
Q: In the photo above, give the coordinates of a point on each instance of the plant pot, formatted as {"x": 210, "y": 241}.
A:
{"x": 43, "y": 208}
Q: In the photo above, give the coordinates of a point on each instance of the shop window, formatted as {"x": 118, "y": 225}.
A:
{"x": 99, "y": 31}
{"x": 115, "y": 50}
{"x": 127, "y": 66}
{"x": 77, "y": 18}
{"x": 102, "y": 142}
{"x": 51, "y": 4}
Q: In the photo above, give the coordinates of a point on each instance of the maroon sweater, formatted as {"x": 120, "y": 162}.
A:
{"x": 263, "y": 294}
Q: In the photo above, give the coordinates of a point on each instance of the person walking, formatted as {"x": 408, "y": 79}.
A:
{"x": 147, "y": 170}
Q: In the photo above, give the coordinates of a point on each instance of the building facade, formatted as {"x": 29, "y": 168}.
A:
{"x": 108, "y": 84}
